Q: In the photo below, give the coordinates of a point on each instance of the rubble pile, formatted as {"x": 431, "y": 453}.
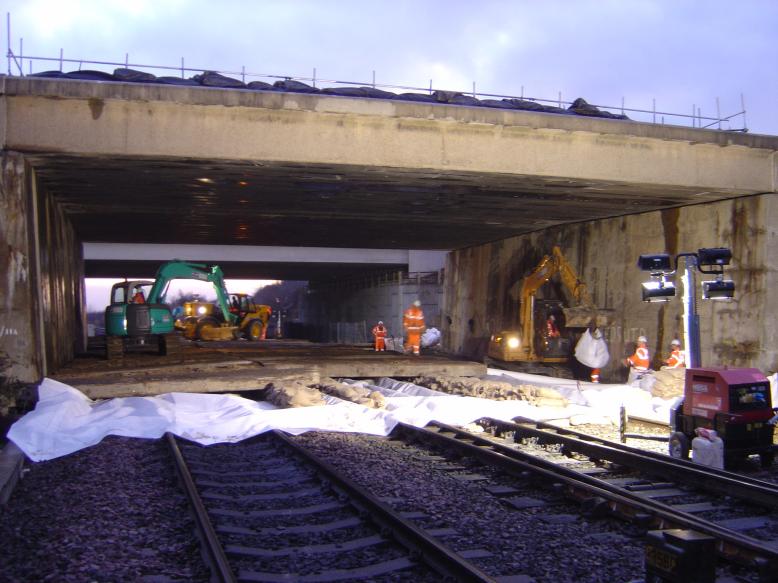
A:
{"x": 286, "y": 394}
{"x": 494, "y": 390}
{"x": 668, "y": 383}
{"x": 353, "y": 393}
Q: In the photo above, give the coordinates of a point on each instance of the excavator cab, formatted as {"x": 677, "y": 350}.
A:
{"x": 551, "y": 340}
{"x": 134, "y": 320}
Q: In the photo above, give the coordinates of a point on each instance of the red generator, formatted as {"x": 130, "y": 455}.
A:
{"x": 735, "y": 402}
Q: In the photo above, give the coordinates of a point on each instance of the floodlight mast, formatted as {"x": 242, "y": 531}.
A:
{"x": 691, "y": 317}
{"x": 714, "y": 259}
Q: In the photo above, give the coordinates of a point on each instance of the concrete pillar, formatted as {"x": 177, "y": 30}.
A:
{"x": 20, "y": 360}
{"x": 42, "y": 298}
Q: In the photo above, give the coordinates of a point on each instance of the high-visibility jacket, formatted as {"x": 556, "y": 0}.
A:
{"x": 413, "y": 320}
{"x": 379, "y": 333}
{"x": 676, "y": 359}
{"x": 640, "y": 360}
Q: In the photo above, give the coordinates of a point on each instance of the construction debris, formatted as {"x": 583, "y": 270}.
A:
{"x": 353, "y": 393}
{"x": 669, "y": 383}
{"x": 494, "y": 390}
{"x": 286, "y": 394}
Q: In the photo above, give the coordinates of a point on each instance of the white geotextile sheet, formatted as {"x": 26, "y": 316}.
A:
{"x": 600, "y": 399}
{"x": 65, "y": 420}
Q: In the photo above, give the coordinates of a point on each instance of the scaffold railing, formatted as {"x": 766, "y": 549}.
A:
{"x": 695, "y": 119}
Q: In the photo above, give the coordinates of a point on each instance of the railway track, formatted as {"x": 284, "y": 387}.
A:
{"x": 268, "y": 510}
{"x": 262, "y": 499}
{"x": 655, "y": 491}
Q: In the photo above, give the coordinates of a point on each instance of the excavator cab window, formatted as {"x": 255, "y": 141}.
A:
{"x": 119, "y": 294}
{"x": 550, "y": 339}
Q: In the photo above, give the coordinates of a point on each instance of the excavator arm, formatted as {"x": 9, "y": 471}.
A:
{"x": 544, "y": 271}
{"x": 570, "y": 280}
{"x": 198, "y": 271}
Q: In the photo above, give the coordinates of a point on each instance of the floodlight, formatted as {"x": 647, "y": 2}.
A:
{"x": 714, "y": 256}
{"x": 658, "y": 291}
{"x": 655, "y": 263}
{"x": 719, "y": 289}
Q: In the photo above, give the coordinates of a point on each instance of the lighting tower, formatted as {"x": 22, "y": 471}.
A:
{"x": 710, "y": 261}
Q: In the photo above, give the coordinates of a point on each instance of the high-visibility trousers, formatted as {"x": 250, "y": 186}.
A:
{"x": 414, "y": 342}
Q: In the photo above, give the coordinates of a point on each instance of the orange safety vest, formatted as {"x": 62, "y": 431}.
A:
{"x": 379, "y": 331}
{"x": 413, "y": 320}
{"x": 676, "y": 359}
{"x": 639, "y": 361}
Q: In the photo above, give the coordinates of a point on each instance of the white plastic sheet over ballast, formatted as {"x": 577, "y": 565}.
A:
{"x": 65, "y": 420}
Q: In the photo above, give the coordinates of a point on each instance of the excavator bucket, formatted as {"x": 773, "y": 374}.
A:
{"x": 587, "y": 317}
{"x": 218, "y": 332}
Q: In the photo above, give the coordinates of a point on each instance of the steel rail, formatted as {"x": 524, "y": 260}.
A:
{"x": 593, "y": 492}
{"x": 416, "y": 540}
{"x": 702, "y": 477}
{"x": 212, "y": 548}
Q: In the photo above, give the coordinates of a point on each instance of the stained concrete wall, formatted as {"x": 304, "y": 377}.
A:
{"x": 42, "y": 319}
{"x": 19, "y": 355}
{"x": 482, "y": 283}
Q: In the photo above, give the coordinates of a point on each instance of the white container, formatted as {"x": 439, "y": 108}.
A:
{"x": 708, "y": 452}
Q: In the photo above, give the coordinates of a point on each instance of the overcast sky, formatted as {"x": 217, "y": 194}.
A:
{"x": 680, "y": 53}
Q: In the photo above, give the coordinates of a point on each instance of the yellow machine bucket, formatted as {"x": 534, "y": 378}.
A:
{"x": 586, "y": 317}
{"x": 218, "y": 332}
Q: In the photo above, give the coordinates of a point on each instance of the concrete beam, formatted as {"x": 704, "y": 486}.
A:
{"x": 250, "y": 376}
{"x": 244, "y": 260}
{"x": 115, "y": 119}
{"x": 217, "y": 253}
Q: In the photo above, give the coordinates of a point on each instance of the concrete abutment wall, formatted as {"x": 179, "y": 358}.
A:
{"x": 482, "y": 283}
{"x": 42, "y": 319}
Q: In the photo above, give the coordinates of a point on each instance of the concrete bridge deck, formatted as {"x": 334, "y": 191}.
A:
{"x": 237, "y": 366}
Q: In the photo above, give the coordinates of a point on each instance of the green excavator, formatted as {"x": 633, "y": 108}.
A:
{"x": 138, "y": 317}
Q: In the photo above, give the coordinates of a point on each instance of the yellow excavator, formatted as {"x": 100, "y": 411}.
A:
{"x": 544, "y": 344}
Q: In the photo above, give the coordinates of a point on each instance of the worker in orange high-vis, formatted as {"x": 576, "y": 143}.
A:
{"x": 379, "y": 333}
{"x": 138, "y": 297}
{"x": 638, "y": 362}
{"x": 595, "y": 374}
{"x": 552, "y": 330}
{"x": 413, "y": 322}
{"x": 676, "y": 358}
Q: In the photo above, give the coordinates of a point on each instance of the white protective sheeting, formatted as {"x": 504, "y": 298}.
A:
{"x": 598, "y": 398}
{"x": 65, "y": 420}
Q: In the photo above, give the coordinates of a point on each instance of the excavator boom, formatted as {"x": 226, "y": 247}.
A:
{"x": 171, "y": 270}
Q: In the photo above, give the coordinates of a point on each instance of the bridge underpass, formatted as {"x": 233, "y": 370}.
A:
{"x": 108, "y": 163}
